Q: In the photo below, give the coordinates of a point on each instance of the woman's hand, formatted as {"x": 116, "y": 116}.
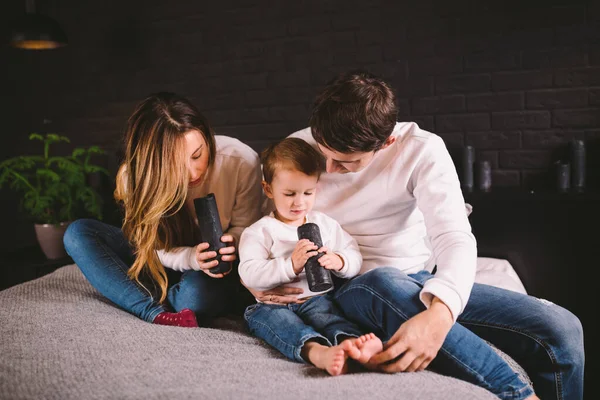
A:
{"x": 330, "y": 260}
{"x": 278, "y": 295}
{"x": 302, "y": 253}
{"x": 206, "y": 259}
{"x": 229, "y": 251}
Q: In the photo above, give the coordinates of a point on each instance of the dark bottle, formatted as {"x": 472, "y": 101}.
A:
{"x": 468, "y": 158}
{"x": 578, "y": 165}
{"x": 563, "y": 176}
{"x": 484, "y": 176}
{"x": 319, "y": 278}
{"x": 211, "y": 230}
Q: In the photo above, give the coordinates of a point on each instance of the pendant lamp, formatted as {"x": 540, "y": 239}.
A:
{"x": 35, "y": 31}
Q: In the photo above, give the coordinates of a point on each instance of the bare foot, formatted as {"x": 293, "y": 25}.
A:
{"x": 363, "y": 348}
{"x": 533, "y": 397}
{"x": 331, "y": 359}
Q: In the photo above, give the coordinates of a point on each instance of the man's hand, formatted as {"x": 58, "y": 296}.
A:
{"x": 304, "y": 250}
{"x": 278, "y": 295}
{"x": 417, "y": 342}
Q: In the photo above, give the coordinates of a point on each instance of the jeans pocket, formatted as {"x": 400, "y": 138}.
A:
{"x": 250, "y": 309}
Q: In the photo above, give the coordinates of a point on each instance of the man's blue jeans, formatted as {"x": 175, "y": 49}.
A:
{"x": 288, "y": 327}
{"x": 544, "y": 338}
{"x": 104, "y": 256}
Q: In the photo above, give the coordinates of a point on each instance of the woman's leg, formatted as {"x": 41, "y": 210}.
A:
{"x": 104, "y": 256}
{"x": 544, "y": 338}
{"x": 383, "y": 299}
{"x": 207, "y": 297}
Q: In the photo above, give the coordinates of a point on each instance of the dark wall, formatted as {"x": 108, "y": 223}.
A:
{"x": 515, "y": 79}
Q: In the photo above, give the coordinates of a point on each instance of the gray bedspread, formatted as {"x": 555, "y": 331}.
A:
{"x": 60, "y": 339}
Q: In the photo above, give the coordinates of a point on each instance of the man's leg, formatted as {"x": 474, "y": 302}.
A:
{"x": 544, "y": 338}
{"x": 383, "y": 299}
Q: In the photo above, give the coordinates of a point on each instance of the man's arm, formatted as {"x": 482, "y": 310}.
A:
{"x": 437, "y": 191}
{"x": 439, "y": 197}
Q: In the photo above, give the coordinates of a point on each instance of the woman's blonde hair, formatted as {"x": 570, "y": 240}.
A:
{"x": 152, "y": 181}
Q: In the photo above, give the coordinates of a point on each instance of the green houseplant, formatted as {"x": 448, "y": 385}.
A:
{"x": 54, "y": 189}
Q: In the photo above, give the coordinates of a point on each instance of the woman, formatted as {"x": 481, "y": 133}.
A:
{"x": 171, "y": 158}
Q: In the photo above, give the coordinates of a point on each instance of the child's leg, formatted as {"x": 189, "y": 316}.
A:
{"x": 284, "y": 330}
{"x": 332, "y": 359}
{"x": 323, "y": 315}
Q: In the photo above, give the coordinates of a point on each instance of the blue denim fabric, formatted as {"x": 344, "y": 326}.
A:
{"x": 546, "y": 339}
{"x": 288, "y": 327}
{"x": 104, "y": 256}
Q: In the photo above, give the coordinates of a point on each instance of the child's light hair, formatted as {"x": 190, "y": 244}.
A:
{"x": 291, "y": 153}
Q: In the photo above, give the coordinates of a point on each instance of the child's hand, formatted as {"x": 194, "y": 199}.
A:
{"x": 330, "y": 260}
{"x": 302, "y": 253}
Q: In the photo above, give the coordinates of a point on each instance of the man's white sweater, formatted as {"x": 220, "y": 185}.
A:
{"x": 235, "y": 180}
{"x": 266, "y": 251}
{"x": 406, "y": 210}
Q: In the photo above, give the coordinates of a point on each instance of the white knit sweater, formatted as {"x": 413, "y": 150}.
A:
{"x": 406, "y": 210}
{"x": 266, "y": 251}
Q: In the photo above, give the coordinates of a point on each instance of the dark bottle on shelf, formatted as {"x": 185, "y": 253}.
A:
{"x": 563, "y": 176}
{"x": 484, "y": 176}
{"x": 468, "y": 158}
{"x": 578, "y": 165}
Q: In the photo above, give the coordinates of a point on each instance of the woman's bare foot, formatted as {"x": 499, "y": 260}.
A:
{"x": 363, "y": 348}
{"x": 331, "y": 359}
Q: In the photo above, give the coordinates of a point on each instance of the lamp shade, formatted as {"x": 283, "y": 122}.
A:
{"x": 37, "y": 32}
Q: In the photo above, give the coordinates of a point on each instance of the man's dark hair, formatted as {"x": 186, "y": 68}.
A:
{"x": 356, "y": 112}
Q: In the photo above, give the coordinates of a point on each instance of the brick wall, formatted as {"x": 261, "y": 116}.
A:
{"x": 517, "y": 80}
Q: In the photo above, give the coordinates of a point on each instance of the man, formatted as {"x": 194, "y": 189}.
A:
{"x": 393, "y": 186}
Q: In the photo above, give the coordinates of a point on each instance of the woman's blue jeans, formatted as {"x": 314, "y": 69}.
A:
{"x": 104, "y": 256}
{"x": 544, "y": 338}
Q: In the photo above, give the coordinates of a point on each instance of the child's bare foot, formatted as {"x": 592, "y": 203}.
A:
{"x": 363, "y": 348}
{"x": 331, "y": 359}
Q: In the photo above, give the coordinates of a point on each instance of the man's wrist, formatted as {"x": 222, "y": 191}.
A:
{"x": 440, "y": 308}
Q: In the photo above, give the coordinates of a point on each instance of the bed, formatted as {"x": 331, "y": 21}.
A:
{"x": 62, "y": 340}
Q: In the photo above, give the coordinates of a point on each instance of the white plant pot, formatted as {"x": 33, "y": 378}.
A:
{"x": 50, "y": 238}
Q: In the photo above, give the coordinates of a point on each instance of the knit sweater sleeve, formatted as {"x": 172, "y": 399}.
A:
{"x": 257, "y": 269}
{"x": 179, "y": 258}
{"x": 439, "y": 197}
{"x": 344, "y": 245}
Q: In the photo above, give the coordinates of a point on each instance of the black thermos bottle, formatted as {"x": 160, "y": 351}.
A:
{"x": 468, "y": 158}
{"x": 211, "y": 229}
{"x": 319, "y": 279}
{"x": 578, "y": 165}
